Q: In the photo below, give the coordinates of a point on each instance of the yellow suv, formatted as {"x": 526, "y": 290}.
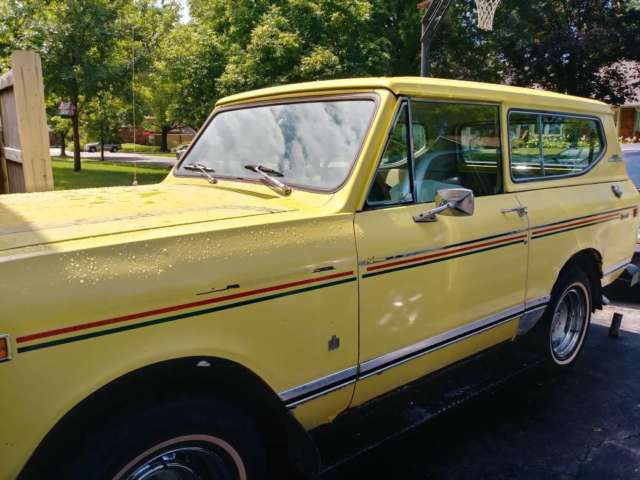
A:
{"x": 317, "y": 246}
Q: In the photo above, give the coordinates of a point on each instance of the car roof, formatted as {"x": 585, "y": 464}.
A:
{"x": 430, "y": 87}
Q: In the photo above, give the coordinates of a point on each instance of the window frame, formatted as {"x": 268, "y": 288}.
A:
{"x": 316, "y": 98}
{"x": 409, "y": 101}
{"x": 403, "y": 101}
{"x": 539, "y": 114}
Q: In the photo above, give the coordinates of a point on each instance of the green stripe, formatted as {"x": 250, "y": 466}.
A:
{"x": 429, "y": 262}
{"x": 179, "y": 316}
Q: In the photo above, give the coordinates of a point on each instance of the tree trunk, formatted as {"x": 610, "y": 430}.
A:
{"x": 63, "y": 144}
{"x": 101, "y": 142}
{"x": 164, "y": 139}
{"x": 77, "y": 166}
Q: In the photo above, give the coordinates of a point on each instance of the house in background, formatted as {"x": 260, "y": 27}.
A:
{"x": 175, "y": 137}
{"x": 628, "y": 120}
{"x": 628, "y": 115}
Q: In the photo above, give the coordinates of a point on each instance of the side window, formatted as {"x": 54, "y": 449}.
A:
{"x": 524, "y": 135}
{"x": 548, "y": 145}
{"x": 461, "y": 148}
{"x": 569, "y": 145}
{"x": 392, "y": 182}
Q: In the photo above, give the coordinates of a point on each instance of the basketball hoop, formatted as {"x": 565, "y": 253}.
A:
{"x": 486, "y": 11}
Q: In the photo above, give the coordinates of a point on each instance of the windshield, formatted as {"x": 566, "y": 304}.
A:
{"x": 633, "y": 166}
{"x": 311, "y": 144}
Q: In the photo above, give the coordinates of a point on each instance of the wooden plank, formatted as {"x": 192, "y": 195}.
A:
{"x": 4, "y": 174}
{"x": 28, "y": 89}
{"x": 10, "y": 132}
{"x": 12, "y": 154}
{"x": 16, "y": 178}
{"x": 6, "y": 81}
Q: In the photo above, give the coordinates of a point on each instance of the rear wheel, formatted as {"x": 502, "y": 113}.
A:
{"x": 567, "y": 319}
{"x": 191, "y": 439}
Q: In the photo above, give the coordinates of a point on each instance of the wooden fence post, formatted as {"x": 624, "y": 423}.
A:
{"x": 25, "y": 164}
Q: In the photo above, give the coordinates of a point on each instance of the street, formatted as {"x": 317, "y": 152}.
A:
{"x": 580, "y": 425}
{"x": 123, "y": 157}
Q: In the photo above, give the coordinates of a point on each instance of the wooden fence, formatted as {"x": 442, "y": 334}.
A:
{"x": 25, "y": 165}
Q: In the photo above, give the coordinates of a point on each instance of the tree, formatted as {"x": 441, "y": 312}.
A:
{"x": 59, "y": 125}
{"x": 162, "y": 76}
{"x": 80, "y": 42}
{"x": 571, "y": 46}
{"x": 106, "y": 113}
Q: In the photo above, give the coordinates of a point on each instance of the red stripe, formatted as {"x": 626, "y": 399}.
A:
{"x": 581, "y": 222}
{"x": 449, "y": 252}
{"x": 159, "y": 311}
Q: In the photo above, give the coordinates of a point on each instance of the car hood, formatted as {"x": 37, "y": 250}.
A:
{"x": 40, "y": 218}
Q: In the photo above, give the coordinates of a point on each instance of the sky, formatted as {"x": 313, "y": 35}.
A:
{"x": 185, "y": 10}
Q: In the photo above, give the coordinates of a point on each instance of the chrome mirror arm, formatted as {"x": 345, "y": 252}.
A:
{"x": 432, "y": 215}
{"x": 454, "y": 201}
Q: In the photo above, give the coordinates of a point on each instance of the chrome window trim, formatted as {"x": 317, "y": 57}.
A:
{"x": 308, "y": 391}
{"x": 500, "y": 157}
{"x": 601, "y": 131}
{"x": 403, "y": 355}
{"x": 402, "y": 101}
{"x": 9, "y": 354}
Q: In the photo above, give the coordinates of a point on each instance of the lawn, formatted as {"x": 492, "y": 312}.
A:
{"x": 152, "y": 150}
{"x": 102, "y": 174}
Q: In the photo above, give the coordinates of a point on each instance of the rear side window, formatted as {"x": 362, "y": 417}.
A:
{"x": 550, "y": 145}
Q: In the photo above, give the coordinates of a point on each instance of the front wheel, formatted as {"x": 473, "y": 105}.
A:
{"x": 190, "y": 439}
{"x": 567, "y": 319}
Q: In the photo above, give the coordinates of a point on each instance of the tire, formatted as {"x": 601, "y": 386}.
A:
{"x": 92, "y": 149}
{"x": 566, "y": 320}
{"x": 114, "y": 149}
{"x": 205, "y": 436}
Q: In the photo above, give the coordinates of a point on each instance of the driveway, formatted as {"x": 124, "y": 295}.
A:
{"x": 122, "y": 157}
{"x": 581, "y": 425}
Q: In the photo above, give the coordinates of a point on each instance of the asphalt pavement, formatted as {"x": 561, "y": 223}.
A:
{"x": 584, "y": 424}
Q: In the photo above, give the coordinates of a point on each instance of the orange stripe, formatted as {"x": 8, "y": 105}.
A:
{"x": 149, "y": 313}
{"x": 581, "y": 222}
{"x": 449, "y": 252}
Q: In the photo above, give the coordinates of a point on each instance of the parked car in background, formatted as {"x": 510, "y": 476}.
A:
{"x": 318, "y": 248}
{"x": 181, "y": 149}
{"x": 108, "y": 147}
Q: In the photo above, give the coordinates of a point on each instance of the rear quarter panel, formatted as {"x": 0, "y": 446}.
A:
{"x": 580, "y": 201}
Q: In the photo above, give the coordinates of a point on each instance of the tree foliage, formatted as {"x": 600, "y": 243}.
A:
{"x": 88, "y": 47}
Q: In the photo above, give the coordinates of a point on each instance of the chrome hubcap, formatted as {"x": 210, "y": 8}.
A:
{"x": 185, "y": 463}
{"x": 569, "y": 322}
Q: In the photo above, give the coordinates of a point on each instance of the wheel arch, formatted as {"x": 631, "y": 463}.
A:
{"x": 589, "y": 260}
{"x": 178, "y": 378}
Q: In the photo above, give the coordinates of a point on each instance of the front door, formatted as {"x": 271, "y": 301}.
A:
{"x": 434, "y": 293}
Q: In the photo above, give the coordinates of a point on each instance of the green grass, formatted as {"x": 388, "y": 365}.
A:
{"x": 102, "y": 174}
{"x": 153, "y": 150}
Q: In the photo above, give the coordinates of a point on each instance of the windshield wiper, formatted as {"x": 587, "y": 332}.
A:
{"x": 269, "y": 175}
{"x": 203, "y": 169}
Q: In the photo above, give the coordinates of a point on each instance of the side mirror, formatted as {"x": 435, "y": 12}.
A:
{"x": 451, "y": 201}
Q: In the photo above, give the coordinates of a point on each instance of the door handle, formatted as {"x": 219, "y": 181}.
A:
{"x": 522, "y": 211}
